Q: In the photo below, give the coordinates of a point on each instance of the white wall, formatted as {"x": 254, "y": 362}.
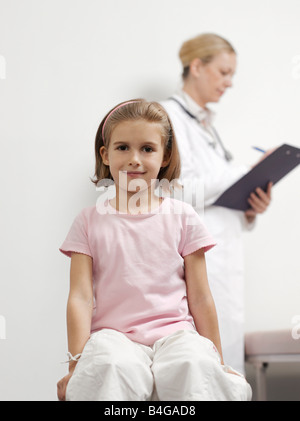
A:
{"x": 64, "y": 63}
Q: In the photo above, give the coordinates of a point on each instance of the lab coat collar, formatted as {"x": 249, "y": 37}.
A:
{"x": 204, "y": 116}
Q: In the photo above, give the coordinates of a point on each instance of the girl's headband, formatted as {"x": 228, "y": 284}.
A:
{"x": 112, "y": 111}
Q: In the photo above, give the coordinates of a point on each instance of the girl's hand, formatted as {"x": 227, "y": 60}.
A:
{"x": 62, "y": 386}
{"x": 230, "y": 370}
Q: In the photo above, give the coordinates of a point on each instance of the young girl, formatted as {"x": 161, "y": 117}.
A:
{"x": 141, "y": 319}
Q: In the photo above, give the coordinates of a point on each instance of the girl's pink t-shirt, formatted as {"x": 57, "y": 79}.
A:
{"x": 138, "y": 266}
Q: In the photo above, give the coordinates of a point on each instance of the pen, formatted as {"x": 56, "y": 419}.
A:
{"x": 258, "y": 149}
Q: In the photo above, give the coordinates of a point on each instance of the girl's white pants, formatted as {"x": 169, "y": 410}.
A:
{"x": 183, "y": 366}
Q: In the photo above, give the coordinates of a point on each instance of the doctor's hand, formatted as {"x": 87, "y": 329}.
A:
{"x": 259, "y": 201}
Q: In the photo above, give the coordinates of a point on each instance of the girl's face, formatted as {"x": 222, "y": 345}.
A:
{"x": 212, "y": 79}
{"x": 135, "y": 152}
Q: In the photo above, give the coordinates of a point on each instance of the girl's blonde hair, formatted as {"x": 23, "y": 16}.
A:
{"x": 205, "y": 47}
{"x": 138, "y": 109}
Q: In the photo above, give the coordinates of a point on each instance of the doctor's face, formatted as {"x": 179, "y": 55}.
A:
{"x": 213, "y": 78}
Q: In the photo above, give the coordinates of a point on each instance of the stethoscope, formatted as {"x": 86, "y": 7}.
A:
{"x": 227, "y": 155}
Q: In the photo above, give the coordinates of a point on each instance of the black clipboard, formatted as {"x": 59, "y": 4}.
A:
{"x": 273, "y": 168}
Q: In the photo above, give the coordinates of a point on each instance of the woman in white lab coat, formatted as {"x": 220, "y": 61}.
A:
{"x": 209, "y": 63}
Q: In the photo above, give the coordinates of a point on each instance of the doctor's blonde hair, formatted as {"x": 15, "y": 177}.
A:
{"x": 138, "y": 109}
{"x": 204, "y": 47}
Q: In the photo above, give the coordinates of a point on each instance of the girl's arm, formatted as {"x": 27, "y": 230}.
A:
{"x": 79, "y": 312}
{"x": 200, "y": 300}
{"x": 80, "y": 303}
